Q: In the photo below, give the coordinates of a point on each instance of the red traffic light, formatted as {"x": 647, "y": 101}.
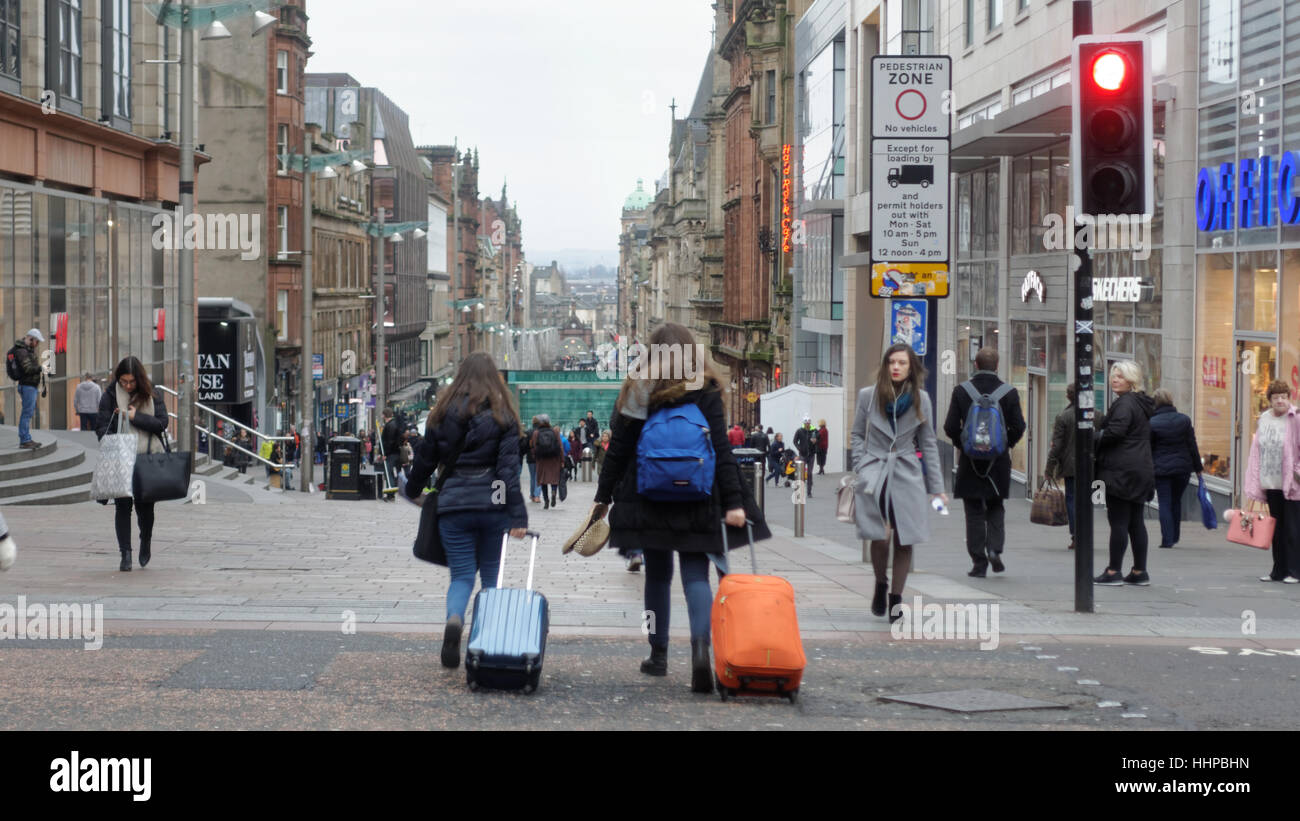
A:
{"x": 1109, "y": 71}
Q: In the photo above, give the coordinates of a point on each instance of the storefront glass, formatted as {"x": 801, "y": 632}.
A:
{"x": 1214, "y": 357}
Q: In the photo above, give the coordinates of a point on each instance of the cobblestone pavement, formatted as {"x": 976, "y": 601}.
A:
{"x": 313, "y": 563}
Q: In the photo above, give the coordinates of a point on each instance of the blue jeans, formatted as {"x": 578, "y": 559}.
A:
{"x": 658, "y": 592}
{"x": 28, "y": 394}
{"x": 1169, "y": 491}
{"x": 472, "y": 539}
{"x": 533, "y": 491}
{"x": 1069, "y": 502}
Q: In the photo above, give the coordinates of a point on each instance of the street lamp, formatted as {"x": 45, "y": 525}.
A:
{"x": 187, "y": 18}
{"x": 307, "y": 162}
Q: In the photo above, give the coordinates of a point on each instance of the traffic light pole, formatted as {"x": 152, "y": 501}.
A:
{"x": 1084, "y": 402}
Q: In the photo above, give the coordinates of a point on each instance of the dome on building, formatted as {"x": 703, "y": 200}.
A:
{"x": 638, "y": 199}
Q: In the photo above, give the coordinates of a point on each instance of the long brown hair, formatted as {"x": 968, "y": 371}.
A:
{"x": 478, "y": 383}
{"x": 673, "y": 351}
{"x": 134, "y": 367}
{"x": 915, "y": 381}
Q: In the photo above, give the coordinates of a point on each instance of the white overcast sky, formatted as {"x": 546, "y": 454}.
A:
{"x": 567, "y": 101}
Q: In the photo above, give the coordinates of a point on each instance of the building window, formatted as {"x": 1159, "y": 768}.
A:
{"x": 969, "y": 38}
{"x": 771, "y": 98}
{"x": 64, "y": 38}
{"x": 282, "y": 311}
{"x": 282, "y": 146}
{"x": 282, "y": 72}
{"x": 282, "y": 216}
{"x": 995, "y": 14}
{"x": 10, "y": 31}
{"x": 117, "y": 58}
{"x": 1022, "y": 5}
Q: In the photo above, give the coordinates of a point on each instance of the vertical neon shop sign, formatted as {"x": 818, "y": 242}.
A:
{"x": 787, "y": 184}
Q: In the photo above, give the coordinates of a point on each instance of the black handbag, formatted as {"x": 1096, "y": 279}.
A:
{"x": 161, "y": 477}
{"x": 428, "y": 539}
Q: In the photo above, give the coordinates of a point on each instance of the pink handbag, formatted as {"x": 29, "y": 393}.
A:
{"x": 1253, "y": 529}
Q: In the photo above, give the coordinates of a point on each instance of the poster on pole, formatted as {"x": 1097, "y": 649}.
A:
{"x": 908, "y": 321}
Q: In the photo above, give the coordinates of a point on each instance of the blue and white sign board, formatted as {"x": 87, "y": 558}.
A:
{"x": 907, "y": 321}
{"x": 318, "y": 366}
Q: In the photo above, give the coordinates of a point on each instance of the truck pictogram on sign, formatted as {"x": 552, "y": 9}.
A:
{"x": 922, "y": 175}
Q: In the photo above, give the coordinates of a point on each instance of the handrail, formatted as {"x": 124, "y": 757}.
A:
{"x": 233, "y": 446}
{"x": 222, "y": 416}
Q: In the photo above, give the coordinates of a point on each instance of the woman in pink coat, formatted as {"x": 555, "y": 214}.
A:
{"x": 1271, "y": 477}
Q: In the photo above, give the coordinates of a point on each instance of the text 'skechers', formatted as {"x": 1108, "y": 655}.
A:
{"x": 910, "y": 129}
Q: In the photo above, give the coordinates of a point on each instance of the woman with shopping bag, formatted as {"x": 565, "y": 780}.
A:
{"x": 132, "y": 407}
{"x": 1271, "y": 478}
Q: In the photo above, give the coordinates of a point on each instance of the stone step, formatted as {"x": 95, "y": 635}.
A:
{"x": 11, "y": 454}
{"x": 67, "y": 455}
{"x": 70, "y": 496}
{"x": 46, "y": 482}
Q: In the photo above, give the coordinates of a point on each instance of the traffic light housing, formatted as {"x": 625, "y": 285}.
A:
{"x": 1110, "y": 153}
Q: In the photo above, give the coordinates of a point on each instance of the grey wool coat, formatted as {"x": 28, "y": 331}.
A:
{"x": 885, "y": 459}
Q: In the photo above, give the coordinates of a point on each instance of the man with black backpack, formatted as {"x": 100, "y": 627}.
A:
{"x": 24, "y": 367}
{"x": 984, "y": 423}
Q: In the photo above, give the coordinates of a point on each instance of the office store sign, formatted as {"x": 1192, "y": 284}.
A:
{"x": 1255, "y": 193}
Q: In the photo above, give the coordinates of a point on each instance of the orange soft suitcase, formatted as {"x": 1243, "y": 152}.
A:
{"x": 756, "y": 644}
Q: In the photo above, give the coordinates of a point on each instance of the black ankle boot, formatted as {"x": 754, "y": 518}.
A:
{"x": 657, "y": 664}
{"x": 878, "y": 600}
{"x": 126, "y": 560}
{"x": 144, "y": 551}
{"x": 451, "y": 642}
{"x": 701, "y": 669}
{"x": 895, "y": 611}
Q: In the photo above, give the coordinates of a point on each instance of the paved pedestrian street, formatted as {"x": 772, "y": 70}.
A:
{"x": 314, "y": 614}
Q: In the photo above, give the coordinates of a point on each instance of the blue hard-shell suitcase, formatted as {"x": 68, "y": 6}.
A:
{"x": 507, "y": 634}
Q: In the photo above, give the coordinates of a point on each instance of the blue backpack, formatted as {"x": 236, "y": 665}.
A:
{"x": 984, "y": 436}
{"x": 674, "y": 456}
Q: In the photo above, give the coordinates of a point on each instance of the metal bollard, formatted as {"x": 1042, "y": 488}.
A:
{"x": 800, "y": 498}
{"x": 760, "y": 487}
{"x": 586, "y": 470}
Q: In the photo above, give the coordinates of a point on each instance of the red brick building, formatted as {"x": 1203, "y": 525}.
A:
{"x": 753, "y": 339}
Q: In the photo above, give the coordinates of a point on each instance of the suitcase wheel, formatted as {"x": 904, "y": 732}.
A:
{"x": 470, "y": 678}
{"x": 793, "y": 695}
{"x": 533, "y": 681}
{"x": 722, "y": 691}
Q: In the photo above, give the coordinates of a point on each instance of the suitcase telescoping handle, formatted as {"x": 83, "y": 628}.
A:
{"x": 501, "y": 569}
{"x": 749, "y": 530}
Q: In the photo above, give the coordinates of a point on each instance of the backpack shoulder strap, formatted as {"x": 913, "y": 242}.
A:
{"x": 1003, "y": 389}
{"x": 972, "y": 390}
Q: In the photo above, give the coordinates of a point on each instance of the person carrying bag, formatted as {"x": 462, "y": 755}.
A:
{"x": 133, "y": 407}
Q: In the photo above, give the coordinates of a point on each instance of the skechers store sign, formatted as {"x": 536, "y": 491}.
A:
{"x": 1256, "y": 193}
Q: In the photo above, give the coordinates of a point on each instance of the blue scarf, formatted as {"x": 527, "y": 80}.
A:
{"x": 898, "y": 407}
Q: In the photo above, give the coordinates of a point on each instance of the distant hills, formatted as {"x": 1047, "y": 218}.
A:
{"x": 575, "y": 259}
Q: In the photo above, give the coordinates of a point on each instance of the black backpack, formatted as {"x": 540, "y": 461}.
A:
{"x": 12, "y": 367}
{"x": 548, "y": 444}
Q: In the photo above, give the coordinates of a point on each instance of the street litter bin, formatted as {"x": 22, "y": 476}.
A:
{"x": 752, "y": 462}
{"x": 344, "y": 474}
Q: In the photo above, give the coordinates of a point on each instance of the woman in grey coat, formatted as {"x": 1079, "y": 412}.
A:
{"x": 893, "y": 422}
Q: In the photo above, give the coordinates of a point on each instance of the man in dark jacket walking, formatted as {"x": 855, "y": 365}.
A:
{"x": 805, "y": 444}
{"x": 1060, "y": 458}
{"x": 592, "y": 429}
{"x": 983, "y": 485}
{"x": 1175, "y": 457}
{"x": 390, "y": 439}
